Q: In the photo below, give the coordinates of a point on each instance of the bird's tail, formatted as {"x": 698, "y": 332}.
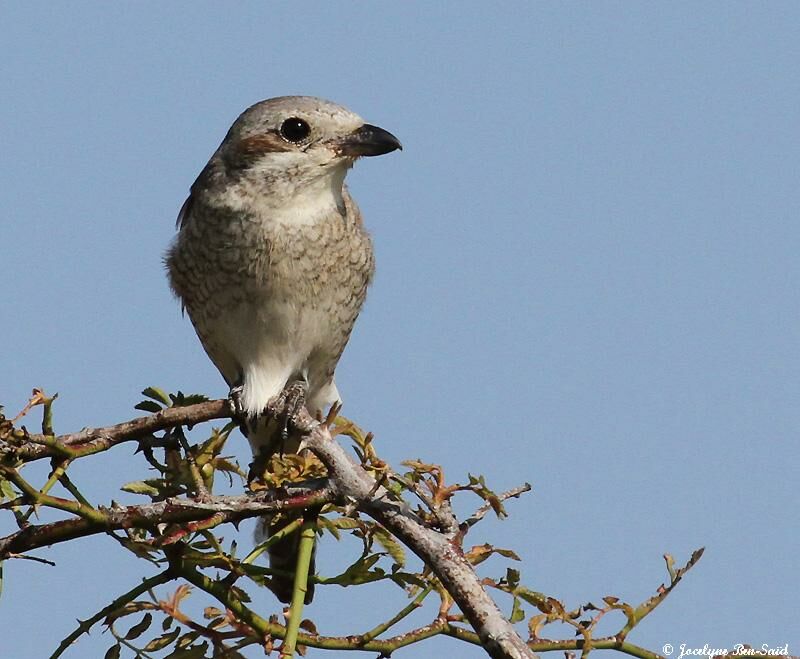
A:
{"x": 264, "y": 438}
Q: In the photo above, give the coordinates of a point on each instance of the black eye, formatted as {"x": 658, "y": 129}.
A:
{"x": 295, "y": 130}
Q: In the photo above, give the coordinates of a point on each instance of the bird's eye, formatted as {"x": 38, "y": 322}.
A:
{"x": 295, "y": 130}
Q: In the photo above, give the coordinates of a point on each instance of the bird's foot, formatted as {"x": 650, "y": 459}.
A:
{"x": 287, "y": 407}
{"x": 235, "y": 400}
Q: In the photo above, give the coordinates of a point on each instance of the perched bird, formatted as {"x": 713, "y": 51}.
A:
{"x": 272, "y": 263}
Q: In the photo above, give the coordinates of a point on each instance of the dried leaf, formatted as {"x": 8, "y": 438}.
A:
{"x": 186, "y": 640}
{"x": 535, "y": 625}
{"x": 508, "y": 553}
{"x": 113, "y": 652}
{"x": 556, "y": 606}
{"x": 212, "y": 612}
{"x": 162, "y": 641}
{"x": 479, "y": 553}
{"x": 139, "y": 628}
{"x": 196, "y": 652}
{"x": 309, "y": 626}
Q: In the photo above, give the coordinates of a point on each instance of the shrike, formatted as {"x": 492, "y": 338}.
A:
{"x": 272, "y": 261}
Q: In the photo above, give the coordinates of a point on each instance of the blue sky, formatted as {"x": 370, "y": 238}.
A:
{"x": 587, "y": 274}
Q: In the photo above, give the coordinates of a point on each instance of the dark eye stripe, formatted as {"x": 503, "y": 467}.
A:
{"x": 269, "y": 142}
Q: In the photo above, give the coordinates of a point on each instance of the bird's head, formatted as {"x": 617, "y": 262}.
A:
{"x": 293, "y": 145}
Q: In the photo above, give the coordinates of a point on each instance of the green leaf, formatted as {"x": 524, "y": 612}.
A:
{"x": 531, "y": 596}
{"x": 404, "y": 579}
{"x": 113, "y": 652}
{"x": 224, "y": 464}
{"x": 512, "y": 577}
{"x": 327, "y": 525}
{"x": 391, "y": 545}
{"x": 517, "y": 612}
{"x": 347, "y": 523}
{"x": 7, "y": 490}
{"x": 140, "y": 487}
{"x": 162, "y": 641}
{"x": 240, "y": 594}
{"x": 139, "y": 628}
{"x": 359, "y": 572}
{"x": 184, "y": 400}
{"x": 148, "y": 406}
{"x": 158, "y": 394}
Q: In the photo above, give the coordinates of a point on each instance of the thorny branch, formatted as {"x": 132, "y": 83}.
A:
{"x": 176, "y": 526}
{"x": 171, "y": 511}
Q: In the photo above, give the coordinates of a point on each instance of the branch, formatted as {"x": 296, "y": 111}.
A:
{"x": 173, "y": 510}
{"x": 446, "y": 559}
{"x": 348, "y": 484}
{"x": 95, "y": 440}
{"x": 266, "y": 629}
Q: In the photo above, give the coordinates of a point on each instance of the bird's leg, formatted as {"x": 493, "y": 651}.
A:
{"x": 235, "y": 399}
{"x": 286, "y": 407}
{"x": 247, "y": 422}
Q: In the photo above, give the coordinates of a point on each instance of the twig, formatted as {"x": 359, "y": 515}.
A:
{"x": 407, "y": 610}
{"x": 33, "y": 558}
{"x": 59, "y": 470}
{"x": 131, "y": 595}
{"x": 201, "y": 491}
{"x": 480, "y": 513}
{"x": 95, "y": 440}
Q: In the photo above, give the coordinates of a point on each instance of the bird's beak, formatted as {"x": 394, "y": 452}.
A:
{"x": 368, "y": 141}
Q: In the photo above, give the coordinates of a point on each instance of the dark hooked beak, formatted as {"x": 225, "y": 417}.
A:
{"x": 369, "y": 141}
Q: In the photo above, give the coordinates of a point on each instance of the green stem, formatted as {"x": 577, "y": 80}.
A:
{"x": 227, "y": 597}
{"x": 412, "y": 606}
{"x": 37, "y": 498}
{"x": 291, "y": 527}
{"x": 131, "y": 595}
{"x": 308, "y": 535}
{"x": 58, "y": 471}
{"x": 73, "y": 490}
{"x": 47, "y": 416}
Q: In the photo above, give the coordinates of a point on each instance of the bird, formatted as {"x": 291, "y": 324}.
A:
{"x": 272, "y": 262}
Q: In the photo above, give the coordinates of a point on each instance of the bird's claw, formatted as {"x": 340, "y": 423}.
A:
{"x": 286, "y": 408}
{"x": 235, "y": 400}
